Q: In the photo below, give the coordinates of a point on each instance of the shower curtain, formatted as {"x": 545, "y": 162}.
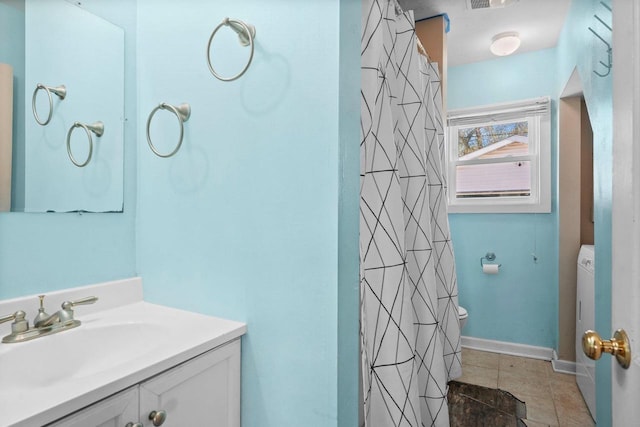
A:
{"x": 410, "y": 335}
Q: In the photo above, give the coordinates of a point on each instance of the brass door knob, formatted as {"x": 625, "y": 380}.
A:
{"x": 593, "y": 346}
{"x": 157, "y": 417}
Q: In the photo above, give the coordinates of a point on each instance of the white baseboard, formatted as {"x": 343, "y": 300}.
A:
{"x": 522, "y": 350}
{"x": 513, "y": 349}
{"x": 564, "y": 366}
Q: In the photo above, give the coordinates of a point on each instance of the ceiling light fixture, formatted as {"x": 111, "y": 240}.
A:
{"x": 504, "y": 44}
{"x": 499, "y": 3}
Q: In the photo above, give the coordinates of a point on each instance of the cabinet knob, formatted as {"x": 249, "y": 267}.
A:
{"x": 134, "y": 425}
{"x": 157, "y": 417}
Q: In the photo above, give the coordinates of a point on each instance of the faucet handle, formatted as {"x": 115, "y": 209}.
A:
{"x": 13, "y": 316}
{"x": 82, "y": 301}
{"x": 20, "y": 324}
{"x": 66, "y": 313}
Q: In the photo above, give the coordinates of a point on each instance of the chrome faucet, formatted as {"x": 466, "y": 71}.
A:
{"x": 64, "y": 315}
{"x": 43, "y": 324}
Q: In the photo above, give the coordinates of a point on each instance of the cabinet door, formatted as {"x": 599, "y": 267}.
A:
{"x": 114, "y": 411}
{"x": 204, "y": 391}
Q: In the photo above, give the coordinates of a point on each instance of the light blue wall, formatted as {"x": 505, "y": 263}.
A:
{"x": 520, "y": 304}
{"x": 45, "y": 252}
{"x": 243, "y": 222}
{"x": 349, "y": 215}
{"x": 255, "y": 219}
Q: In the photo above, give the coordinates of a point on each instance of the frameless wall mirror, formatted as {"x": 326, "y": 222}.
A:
{"x": 66, "y": 142}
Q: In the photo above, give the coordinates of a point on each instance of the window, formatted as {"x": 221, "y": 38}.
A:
{"x": 499, "y": 158}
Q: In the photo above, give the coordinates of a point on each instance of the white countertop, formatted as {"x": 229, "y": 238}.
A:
{"x": 113, "y": 349}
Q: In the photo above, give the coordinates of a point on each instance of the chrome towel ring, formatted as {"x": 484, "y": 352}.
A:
{"x": 97, "y": 128}
{"x": 246, "y": 34}
{"x": 60, "y": 91}
{"x": 182, "y": 112}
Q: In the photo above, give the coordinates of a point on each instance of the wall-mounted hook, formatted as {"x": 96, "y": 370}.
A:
{"x": 602, "y": 22}
{"x": 609, "y": 62}
{"x": 609, "y": 55}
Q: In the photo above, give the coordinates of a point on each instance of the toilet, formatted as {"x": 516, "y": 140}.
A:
{"x": 462, "y": 315}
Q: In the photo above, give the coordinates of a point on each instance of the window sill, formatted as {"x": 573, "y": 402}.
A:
{"x": 501, "y": 208}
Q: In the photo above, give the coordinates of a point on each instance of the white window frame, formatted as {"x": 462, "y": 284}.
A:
{"x": 537, "y": 112}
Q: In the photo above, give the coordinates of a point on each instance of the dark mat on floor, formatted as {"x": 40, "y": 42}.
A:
{"x": 476, "y": 406}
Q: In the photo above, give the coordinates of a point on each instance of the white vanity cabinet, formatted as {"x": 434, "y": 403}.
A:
{"x": 116, "y": 410}
{"x": 204, "y": 391}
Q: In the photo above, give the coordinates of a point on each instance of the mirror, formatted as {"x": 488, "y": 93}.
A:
{"x": 56, "y": 43}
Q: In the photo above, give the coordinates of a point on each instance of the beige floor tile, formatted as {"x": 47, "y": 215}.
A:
{"x": 568, "y": 397}
{"x": 571, "y": 407}
{"x": 530, "y": 423}
{"x": 550, "y": 370}
{"x": 559, "y": 378}
{"x": 524, "y": 383}
{"x": 582, "y": 422}
{"x": 478, "y": 375}
{"x": 519, "y": 364}
{"x": 540, "y": 409}
{"x": 552, "y": 399}
{"x": 566, "y": 391}
{"x": 480, "y": 358}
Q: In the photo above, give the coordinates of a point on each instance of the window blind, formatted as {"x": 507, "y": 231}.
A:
{"x": 500, "y": 112}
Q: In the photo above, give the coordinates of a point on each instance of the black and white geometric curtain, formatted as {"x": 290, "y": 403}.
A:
{"x": 410, "y": 335}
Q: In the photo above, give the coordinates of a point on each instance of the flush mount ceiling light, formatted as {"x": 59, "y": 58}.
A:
{"x": 499, "y": 3}
{"x": 504, "y": 44}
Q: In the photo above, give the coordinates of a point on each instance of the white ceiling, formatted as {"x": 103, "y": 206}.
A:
{"x": 539, "y": 23}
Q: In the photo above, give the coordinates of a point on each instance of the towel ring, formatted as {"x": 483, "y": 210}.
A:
{"x": 97, "y": 128}
{"x": 182, "y": 112}
{"x": 246, "y": 34}
{"x": 60, "y": 91}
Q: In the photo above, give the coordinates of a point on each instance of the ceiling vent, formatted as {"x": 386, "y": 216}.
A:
{"x": 478, "y": 4}
{"x": 487, "y": 4}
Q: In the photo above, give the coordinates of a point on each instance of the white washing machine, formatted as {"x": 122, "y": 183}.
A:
{"x": 585, "y": 320}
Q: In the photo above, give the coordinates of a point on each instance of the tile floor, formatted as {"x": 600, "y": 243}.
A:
{"x": 552, "y": 399}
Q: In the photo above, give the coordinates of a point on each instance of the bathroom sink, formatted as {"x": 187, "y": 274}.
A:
{"x": 89, "y": 349}
{"x": 43, "y": 379}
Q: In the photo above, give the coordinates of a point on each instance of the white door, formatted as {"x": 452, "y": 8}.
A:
{"x": 626, "y": 207}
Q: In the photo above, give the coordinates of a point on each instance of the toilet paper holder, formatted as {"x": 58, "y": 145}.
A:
{"x": 490, "y": 257}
